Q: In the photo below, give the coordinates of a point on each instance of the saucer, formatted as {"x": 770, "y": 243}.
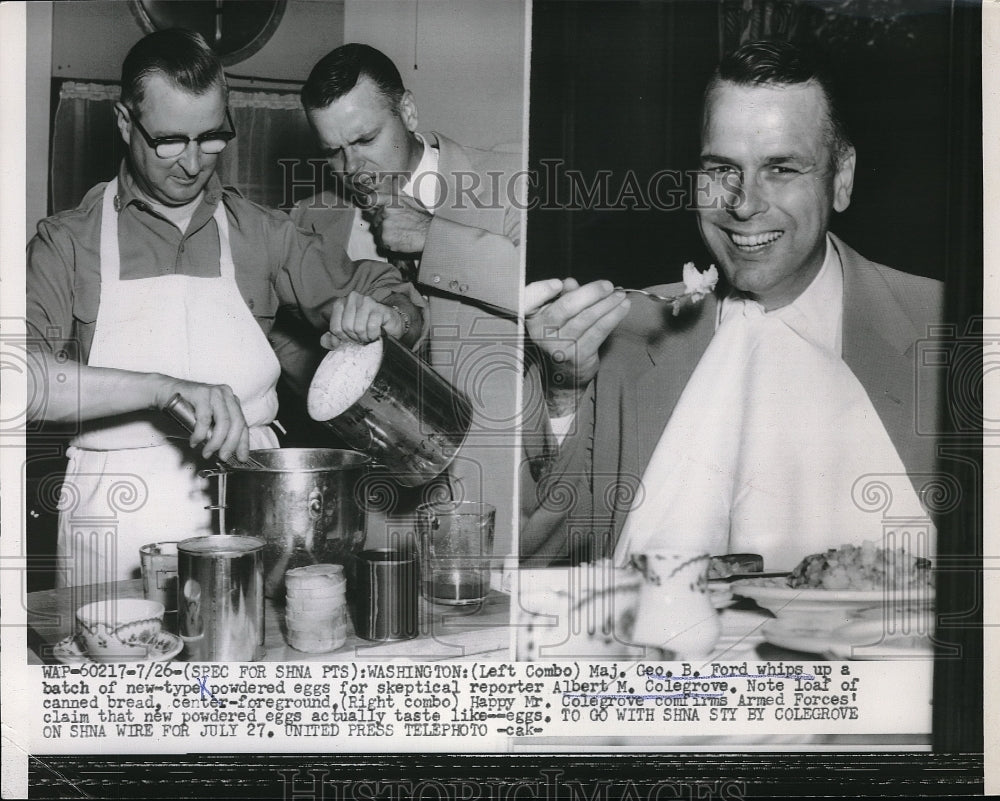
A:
{"x": 164, "y": 646}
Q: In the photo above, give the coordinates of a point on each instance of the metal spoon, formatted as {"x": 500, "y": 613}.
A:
{"x": 653, "y": 295}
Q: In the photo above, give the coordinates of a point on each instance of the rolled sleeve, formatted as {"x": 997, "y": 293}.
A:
{"x": 315, "y": 271}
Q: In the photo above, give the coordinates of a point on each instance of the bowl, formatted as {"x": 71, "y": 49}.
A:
{"x": 118, "y": 630}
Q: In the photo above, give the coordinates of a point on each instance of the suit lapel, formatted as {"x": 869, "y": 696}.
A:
{"x": 650, "y": 401}
{"x": 459, "y": 202}
{"x": 878, "y": 341}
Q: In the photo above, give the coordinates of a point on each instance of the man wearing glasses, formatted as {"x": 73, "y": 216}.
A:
{"x": 164, "y": 282}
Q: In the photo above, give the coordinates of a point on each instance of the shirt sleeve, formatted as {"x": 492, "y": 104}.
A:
{"x": 49, "y": 278}
{"x": 314, "y": 271}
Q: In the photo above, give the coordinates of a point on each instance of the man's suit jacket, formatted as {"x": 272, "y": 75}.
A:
{"x": 471, "y": 250}
{"x": 471, "y": 254}
{"x": 586, "y": 491}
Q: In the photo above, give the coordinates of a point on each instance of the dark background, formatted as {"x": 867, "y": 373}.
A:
{"x": 617, "y": 86}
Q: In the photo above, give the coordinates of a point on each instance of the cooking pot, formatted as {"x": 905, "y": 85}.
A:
{"x": 385, "y": 401}
{"x": 306, "y": 504}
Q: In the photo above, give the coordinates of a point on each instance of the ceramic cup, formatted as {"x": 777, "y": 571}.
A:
{"x": 674, "y": 610}
{"x": 117, "y": 630}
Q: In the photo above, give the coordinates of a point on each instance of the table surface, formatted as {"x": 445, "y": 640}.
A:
{"x": 476, "y": 631}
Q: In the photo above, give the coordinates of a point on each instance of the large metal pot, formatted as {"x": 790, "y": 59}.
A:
{"x": 409, "y": 419}
{"x": 306, "y": 504}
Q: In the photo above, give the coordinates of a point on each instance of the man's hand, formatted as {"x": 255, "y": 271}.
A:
{"x": 221, "y": 427}
{"x": 569, "y": 323}
{"x": 399, "y": 223}
{"x": 95, "y": 393}
{"x": 360, "y": 318}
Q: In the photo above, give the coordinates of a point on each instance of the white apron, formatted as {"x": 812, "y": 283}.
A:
{"x": 131, "y": 479}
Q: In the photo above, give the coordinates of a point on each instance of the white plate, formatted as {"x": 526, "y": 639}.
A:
{"x": 868, "y": 639}
{"x": 775, "y": 595}
{"x": 742, "y": 632}
{"x": 858, "y": 639}
{"x": 165, "y": 646}
{"x": 807, "y": 633}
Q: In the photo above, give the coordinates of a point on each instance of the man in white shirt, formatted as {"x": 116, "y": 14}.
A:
{"x": 778, "y": 162}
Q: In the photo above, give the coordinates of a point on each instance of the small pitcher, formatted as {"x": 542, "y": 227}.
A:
{"x": 674, "y": 611}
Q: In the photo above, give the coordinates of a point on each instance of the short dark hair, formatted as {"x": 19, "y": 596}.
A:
{"x": 339, "y": 71}
{"x": 183, "y": 57}
{"x": 782, "y": 63}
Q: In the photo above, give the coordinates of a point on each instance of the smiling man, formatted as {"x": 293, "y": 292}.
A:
{"x": 745, "y": 422}
{"x": 769, "y": 231}
{"x": 163, "y": 281}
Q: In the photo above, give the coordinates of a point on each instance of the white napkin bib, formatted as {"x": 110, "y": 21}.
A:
{"x": 763, "y": 451}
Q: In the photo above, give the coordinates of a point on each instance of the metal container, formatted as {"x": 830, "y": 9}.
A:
{"x": 158, "y": 562}
{"x": 306, "y": 504}
{"x": 410, "y": 419}
{"x": 220, "y": 601}
{"x": 384, "y": 593}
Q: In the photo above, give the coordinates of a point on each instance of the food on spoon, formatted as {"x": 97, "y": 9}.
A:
{"x": 696, "y": 285}
{"x": 699, "y": 284}
{"x": 864, "y": 567}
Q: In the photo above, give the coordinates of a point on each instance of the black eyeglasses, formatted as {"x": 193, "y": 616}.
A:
{"x": 169, "y": 147}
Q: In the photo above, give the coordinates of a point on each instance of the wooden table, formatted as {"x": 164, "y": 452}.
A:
{"x": 478, "y": 631}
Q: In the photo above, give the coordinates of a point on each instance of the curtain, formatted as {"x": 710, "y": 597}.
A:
{"x": 272, "y": 160}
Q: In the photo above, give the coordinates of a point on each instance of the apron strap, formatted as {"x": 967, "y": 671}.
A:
{"x": 110, "y": 257}
{"x": 226, "y": 267}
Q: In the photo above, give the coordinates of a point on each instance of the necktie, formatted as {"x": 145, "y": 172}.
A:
{"x": 409, "y": 268}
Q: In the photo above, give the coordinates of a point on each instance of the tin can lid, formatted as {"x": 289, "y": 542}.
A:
{"x": 221, "y": 545}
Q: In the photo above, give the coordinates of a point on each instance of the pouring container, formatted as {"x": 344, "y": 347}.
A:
{"x": 384, "y": 401}
{"x": 306, "y": 504}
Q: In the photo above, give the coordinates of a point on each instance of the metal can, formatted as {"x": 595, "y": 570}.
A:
{"x": 385, "y": 594}
{"x": 220, "y": 598}
{"x": 409, "y": 419}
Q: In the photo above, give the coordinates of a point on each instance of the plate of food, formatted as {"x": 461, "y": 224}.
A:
{"x": 842, "y": 581}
